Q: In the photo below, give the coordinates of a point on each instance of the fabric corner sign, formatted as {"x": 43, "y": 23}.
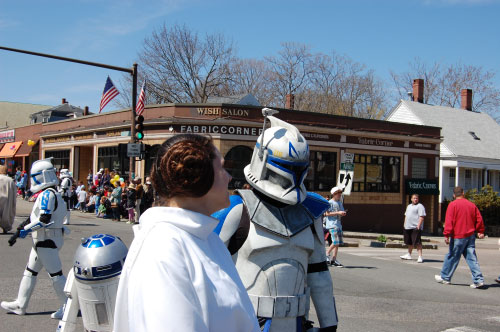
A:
{"x": 422, "y": 186}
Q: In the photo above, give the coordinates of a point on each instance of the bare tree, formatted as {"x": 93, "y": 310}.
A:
{"x": 180, "y": 66}
{"x": 251, "y": 76}
{"x": 339, "y": 85}
{"x": 289, "y": 71}
{"x": 443, "y": 84}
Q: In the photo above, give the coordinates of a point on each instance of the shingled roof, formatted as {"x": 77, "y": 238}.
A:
{"x": 466, "y": 133}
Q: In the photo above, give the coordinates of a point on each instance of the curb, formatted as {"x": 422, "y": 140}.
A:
{"x": 399, "y": 245}
{"x": 374, "y": 237}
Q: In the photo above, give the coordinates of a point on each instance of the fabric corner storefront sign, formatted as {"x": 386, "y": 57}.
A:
{"x": 422, "y": 187}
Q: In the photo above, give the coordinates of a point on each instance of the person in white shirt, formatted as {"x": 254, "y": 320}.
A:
{"x": 179, "y": 275}
{"x": 82, "y": 198}
{"x": 413, "y": 225}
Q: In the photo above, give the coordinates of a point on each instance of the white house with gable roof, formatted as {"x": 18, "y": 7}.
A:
{"x": 470, "y": 150}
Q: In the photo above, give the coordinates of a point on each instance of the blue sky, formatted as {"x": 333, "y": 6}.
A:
{"x": 382, "y": 34}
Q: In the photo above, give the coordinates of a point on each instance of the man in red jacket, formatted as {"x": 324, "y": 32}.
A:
{"x": 463, "y": 220}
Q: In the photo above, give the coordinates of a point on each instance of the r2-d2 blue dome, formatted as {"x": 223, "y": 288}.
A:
{"x": 99, "y": 257}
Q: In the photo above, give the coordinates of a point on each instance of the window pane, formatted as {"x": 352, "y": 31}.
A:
{"x": 419, "y": 168}
{"x": 376, "y": 173}
{"x": 325, "y": 171}
{"x": 235, "y": 161}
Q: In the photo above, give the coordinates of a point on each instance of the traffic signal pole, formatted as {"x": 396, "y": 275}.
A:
{"x": 132, "y": 71}
{"x": 133, "y": 139}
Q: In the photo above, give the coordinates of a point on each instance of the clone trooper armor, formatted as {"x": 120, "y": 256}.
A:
{"x": 46, "y": 228}
{"x": 275, "y": 234}
{"x": 66, "y": 189}
{"x": 93, "y": 282}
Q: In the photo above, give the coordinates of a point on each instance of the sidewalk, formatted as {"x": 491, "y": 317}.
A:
{"x": 364, "y": 239}
{"x": 352, "y": 239}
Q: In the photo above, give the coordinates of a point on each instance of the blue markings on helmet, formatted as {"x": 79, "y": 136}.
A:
{"x": 35, "y": 180}
{"x": 291, "y": 149}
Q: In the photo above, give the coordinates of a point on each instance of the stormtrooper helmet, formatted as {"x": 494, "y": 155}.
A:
{"x": 280, "y": 162}
{"x": 43, "y": 175}
{"x": 64, "y": 173}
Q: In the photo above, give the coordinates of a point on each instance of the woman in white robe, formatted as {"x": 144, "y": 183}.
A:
{"x": 8, "y": 194}
{"x": 178, "y": 275}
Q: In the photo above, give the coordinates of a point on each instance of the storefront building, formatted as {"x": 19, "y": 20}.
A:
{"x": 19, "y": 147}
{"x": 469, "y": 153}
{"x": 391, "y": 160}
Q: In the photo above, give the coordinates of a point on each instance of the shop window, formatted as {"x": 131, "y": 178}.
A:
{"x": 60, "y": 158}
{"x": 419, "y": 167}
{"x": 110, "y": 158}
{"x": 374, "y": 173}
{"x": 322, "y": 174}
{"x": 234, "y": 162}
{"x": 150, "y": 159}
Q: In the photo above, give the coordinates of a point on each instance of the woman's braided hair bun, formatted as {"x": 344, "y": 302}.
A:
{"x": 184, "y": 166}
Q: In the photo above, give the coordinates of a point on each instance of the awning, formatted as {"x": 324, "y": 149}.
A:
{"x": 10, "y": 149}
{"x": 25, "y": 149}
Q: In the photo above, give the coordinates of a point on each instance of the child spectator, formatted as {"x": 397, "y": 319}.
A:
{"x": 131, "y": 197}
{"x": 98, "y": 197}
{"x": 91, "y": 202}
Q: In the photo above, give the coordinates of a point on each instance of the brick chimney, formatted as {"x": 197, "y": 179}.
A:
{"x": 418, "y": 90}
{"x": 64, "y": 101}
{"x": 86, "y": 111}
{"x": 466, "y": 95}
{"x": 290, "y": 101}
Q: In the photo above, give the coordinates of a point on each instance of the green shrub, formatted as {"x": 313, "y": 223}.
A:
{"x": 382, "y": 238}
{"x": 485, "y": 198}
{"x": 488, "y": 203}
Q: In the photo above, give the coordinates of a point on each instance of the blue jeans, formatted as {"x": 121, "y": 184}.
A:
{"x": 467, "y": 248}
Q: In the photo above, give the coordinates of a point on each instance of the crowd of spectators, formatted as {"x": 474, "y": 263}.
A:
{"x": 109, "y": 196}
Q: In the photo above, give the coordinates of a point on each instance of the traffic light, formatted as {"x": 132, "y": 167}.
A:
{"x": 139, "y": 127}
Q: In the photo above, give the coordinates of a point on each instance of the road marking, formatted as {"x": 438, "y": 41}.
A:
{"x": 463, "y": 329}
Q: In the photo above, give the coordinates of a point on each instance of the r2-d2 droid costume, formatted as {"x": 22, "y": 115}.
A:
{"x": 46, "y": 228}
{"x": 93, "y": 283}
{"x": 275, "y": 234}
{"x": 66, "y": 189}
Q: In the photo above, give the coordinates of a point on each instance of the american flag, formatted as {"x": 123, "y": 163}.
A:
{"x": 108, "y": 94}
{"x": 139, "y": 108}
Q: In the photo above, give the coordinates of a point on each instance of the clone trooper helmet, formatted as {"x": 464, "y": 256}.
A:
{"x": 43, "y": 175}
{"x": 280, "y": 162}
{"x": 64, "y": 173}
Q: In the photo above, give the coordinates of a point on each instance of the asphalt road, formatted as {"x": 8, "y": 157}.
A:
{"x": 376, "y": 291}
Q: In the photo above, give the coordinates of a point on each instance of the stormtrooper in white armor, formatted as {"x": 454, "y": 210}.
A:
{"x": 46, "y": 227}
{"x": 66, "y": 189}
{"x": 93, "y": 282}
{"x": 274, "y": 232}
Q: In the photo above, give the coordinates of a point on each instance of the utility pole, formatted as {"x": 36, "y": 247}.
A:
{"x": 132, "y": 71}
